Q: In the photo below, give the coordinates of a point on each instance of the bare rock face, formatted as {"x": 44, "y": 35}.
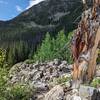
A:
{"x": 56, "y": 93}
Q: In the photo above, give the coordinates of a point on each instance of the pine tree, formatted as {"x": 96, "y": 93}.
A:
{"x": 2, "y": 57}
{"x": 11, "y": 55}
{"x": 45, "y": 51}
{"x": 60, "y": 43}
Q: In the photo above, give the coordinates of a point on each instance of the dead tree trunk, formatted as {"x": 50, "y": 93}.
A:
{"x": 94, "y": 54}
{"x": 84, "y": 45}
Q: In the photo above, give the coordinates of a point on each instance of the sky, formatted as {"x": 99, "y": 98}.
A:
{"x": 11, "y": 8}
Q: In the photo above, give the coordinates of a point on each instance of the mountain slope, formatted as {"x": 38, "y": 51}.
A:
{"x": 29, "y": 27}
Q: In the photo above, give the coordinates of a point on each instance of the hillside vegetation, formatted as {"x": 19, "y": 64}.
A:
{"x": 21, "y": 35}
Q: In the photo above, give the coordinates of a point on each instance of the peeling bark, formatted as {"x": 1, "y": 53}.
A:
{"x": 94, "y": 54}
{"x": 84, "y": 45}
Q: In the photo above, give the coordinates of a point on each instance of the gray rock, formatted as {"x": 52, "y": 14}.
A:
{"x": 31, "y": 66}
{"x": 70, "y": 66}
{"x": 57, "y": 62}
{"x": 50, "y": 64}
{"x": 31, "y": 74}
{"x": 64, "y": 62}
{"x": 96, "y": 95}
{"x": 76, "y": 98}
{"x": 98, "y": 73}
{"x": 55, "y": 93}
{"x": 86, "y": 91}
{"x": 55, "y": 74}
{"x": 68, "y": 97}
{"x": 40, "y": 86}
{"x": 42, "y": 68}
{"x": 37, "y": 75}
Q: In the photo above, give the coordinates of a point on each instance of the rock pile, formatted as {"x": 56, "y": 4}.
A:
{"x": 38, "y": 74}
{"x": 84, "y": 93}
{"x": 42, "y": 76}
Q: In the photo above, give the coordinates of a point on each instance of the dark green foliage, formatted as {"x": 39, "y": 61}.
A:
{"x": 29, "y": 27}
{"x": 21, "y": 50}
{"x": 55, "y": 48}
{"x": 2, "y": 57}
{"x": 17, "y": 52}
{"x": 17, "y": 43}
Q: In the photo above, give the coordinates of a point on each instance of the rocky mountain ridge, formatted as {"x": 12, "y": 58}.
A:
{"x": 48, "y": 12}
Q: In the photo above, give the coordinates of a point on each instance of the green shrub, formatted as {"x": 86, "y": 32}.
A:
{"x": 13, "y": 92}
{"x": 96, "y": 82}
{"x": 3, "y": 81}
{"x": 18, "y": 92}
{"x": 63, "y": 79}
{"x": 29, "y": 61}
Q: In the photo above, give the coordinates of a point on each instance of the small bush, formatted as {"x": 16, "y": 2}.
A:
{"x": 3, "y": 81}
{"x": 18, "y": 92}
{"x": 63, "y": 79}
{"x": 96, "y": 82}
{"x": 15, "y": 92}
{"x": 29, "y": 61}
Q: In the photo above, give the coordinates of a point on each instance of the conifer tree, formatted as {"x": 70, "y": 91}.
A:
{"x": 45, "y": 51}
{"x": 2, "y": 57}
{"x": 59, "y": 44}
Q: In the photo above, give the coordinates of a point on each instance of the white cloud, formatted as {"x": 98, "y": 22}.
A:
{"x": 33, "y": 2}
{"x": 18, "y": 8}
{"x": 3, "y": 2}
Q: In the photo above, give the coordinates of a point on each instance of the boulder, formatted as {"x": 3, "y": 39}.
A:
{"x": 73, "y": 95}
{"x": 55, "y": 93}
{"x": 40, "y": 86}
{"x": 98, "y": 73}
{"x": 75, "y": 98}
{"x": 86, "y": 91}
{"x": 96, "y": 95}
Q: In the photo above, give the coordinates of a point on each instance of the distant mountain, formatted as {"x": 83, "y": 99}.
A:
{"x": 29, "y": 27}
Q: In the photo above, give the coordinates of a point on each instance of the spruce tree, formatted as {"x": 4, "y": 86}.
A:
{"x": 2, "y": 57}
{"x": 45, "y": 51}
{"x": 60, "y": 44}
